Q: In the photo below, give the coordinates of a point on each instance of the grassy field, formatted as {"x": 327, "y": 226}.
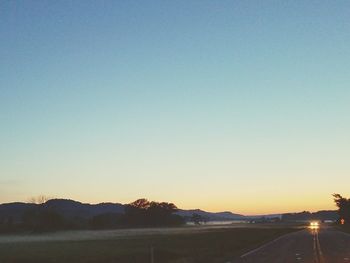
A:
{"x": 345, "y": 229}
{"x": 219, "y": 245}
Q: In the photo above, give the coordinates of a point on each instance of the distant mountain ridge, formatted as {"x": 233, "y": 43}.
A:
{"x": 74, "y": 209}
{"x": 210, "y": 216}
{"x": 14, "y": 210}
{"x": 71, "y": 209}
{"x": 65, "y": 207}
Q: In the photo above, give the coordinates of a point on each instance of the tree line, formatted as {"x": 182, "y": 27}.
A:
{"x": 343, "y": 205}
{"x": 140, "y": 213}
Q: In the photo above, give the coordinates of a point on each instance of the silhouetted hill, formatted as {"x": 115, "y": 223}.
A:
{"x": 73, "y": 209}
{"x": 66, "y": 208}
{"x": 14, "y": 211}
{"x": 209, "y": 216}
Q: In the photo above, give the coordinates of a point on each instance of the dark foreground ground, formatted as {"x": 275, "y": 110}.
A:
{"x": 194, "y": 245}
{"x": 324, "y": 245}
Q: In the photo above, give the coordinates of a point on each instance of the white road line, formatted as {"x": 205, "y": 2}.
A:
{"x": 315, "y": 247}
{"x": 267, "y": 244}
{"x": 318, "y": 255}
{"x": 319, "y": 249}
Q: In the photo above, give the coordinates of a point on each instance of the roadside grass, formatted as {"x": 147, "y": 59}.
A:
{"x": 214, "y": 246}
{"x": 345, "y": 229}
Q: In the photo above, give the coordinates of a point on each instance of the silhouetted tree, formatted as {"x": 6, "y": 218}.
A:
{"x": 40, "y": 199}
{"x": 142, "y": 203}
{"x": 196, "y": 219}
{"x": 145, "y": 213}
{"x": 343, "y": 205}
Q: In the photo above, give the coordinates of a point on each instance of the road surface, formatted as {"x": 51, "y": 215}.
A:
{"x": 323, "y": 245}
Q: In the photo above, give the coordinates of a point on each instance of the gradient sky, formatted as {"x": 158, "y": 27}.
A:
{"x": 219, "y": 105}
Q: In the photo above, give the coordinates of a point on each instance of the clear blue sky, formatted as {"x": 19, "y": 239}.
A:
{"x": 221, "y": 105}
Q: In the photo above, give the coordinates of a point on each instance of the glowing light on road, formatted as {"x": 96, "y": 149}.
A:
{"x": 314, "y": 225}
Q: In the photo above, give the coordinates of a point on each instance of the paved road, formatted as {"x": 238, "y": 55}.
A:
{"x": 324, "y": 245}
